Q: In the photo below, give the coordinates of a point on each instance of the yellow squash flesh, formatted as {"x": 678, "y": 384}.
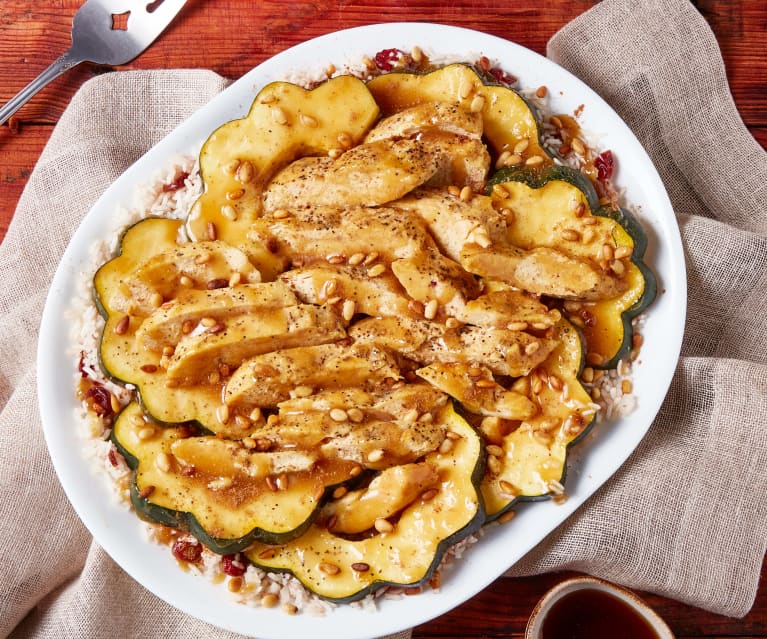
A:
{"x": 507, "y": 118}
{"x": 285, "y": 122}
{"x": 410, "y": 552}
{"x": 535, "y": 453}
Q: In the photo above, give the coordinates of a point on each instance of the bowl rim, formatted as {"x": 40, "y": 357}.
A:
{"x": 589, "y": 582}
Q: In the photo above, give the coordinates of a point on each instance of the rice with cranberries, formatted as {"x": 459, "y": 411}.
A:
{"x": 170, "y": 193}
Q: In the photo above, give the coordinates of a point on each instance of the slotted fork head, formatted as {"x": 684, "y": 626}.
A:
{"x": 95, "y": 38}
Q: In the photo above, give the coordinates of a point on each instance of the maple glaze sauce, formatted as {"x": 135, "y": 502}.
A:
{"x": 594, "y": 614}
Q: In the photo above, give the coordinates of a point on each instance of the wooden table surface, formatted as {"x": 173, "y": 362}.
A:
{"x": 232, "y": 36}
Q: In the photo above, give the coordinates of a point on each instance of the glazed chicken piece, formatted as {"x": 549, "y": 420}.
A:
{"x": 374, "y": 443}
{"x": 406, "y": 402}
{"x": 317, "y": 232}
{"x": 475, "y": 387}
{"x": 304, "y": 430}
{"x": 166, "y": 325}
{"x": 396, "y": 237}
{"x": 200, "y": 262}
{"x": 326, "y": 400}
{"x": 379, "y": 444}
{"x": 461, "y": 161}
{"x": 410, "y": 402}
{"x": 434, "y": 143}
{"x": 453, "y": 222}
{"x": 390, "y": 492}
{"x": 204, "y": 353}
{"x": 443, "y": 116}
{"x": 451, "y": 134}
{"x": 542, "y": 270}
{"x": 367, "y": 175}
{"x": 353, "y": 424}
{"x": 380, "y": 295}
{"x": 228, "y": 458}
{"x": 268, "y": 379}
{"x": 508, "y": 307}
{"x": 432, "y": 276}
{"x": 505, "y": 352}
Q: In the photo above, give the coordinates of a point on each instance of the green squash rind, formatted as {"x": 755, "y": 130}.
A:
{"x": 632, "y": 226}
{"x": 187, "y": 521}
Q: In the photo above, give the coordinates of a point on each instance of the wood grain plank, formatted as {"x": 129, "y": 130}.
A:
{"x": 18, "y": 153}
{"x": 29, "y": 38}
{"x": 501, "y": 610}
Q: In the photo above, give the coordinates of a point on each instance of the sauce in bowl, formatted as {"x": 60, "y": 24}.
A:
{"x": 590, "y": 608}
{"x": 594, "y": 614}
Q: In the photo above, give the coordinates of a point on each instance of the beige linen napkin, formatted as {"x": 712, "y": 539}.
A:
{"x": 685, "y": 517}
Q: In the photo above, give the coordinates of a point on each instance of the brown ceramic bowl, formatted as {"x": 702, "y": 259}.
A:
{"x": 565, "y": 605}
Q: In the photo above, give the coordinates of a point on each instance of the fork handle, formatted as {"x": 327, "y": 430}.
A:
{"x": 63, "y": 63}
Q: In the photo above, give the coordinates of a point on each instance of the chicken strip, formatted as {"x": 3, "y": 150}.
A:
{"x": 505, "y": 352}
{"x": 432, "y": 276}
{"x": 166, "y": 325}
{"x": 204, "y": 353}
{"x": 370, "y": 174}
{"x": 395, "y": 421}
{"x": 450, "y": 133}
{"x": 379, "y": 444}
{"x": 317, "y": 232}
{"x": 326, "y": 400}
{"x": 381, "y": 295}
{"x": 410, "y": 402}
{"x": 508, "y": 307}
{"x": 461, "y": 161}
{"x": 268, "y": 379}
{"x": 200, "y": 262}
{"x": 445, "y": 116}
{"x": 454, "y": 222}
{"x": 544, "y": 271}
{"x": 374, "y": 443}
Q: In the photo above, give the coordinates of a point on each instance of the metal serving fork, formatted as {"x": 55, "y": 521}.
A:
{"x": 95, "y": 39}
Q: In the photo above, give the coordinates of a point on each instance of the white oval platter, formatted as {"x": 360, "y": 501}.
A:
{"x": 593, "y": 461}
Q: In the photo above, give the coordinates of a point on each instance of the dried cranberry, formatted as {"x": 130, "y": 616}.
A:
{"x": 187, "y": 429}
{"x": 100, "y": 399}
{"x": 589, "y": 319}
{"x": 177, "y": 184}
{"x": 388, "y": 58}
{"x": 605, "y": 162}
{"x": 502, "y": 77}
{"x": 234, "y": 565}
{"x": 189, "y": 551}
